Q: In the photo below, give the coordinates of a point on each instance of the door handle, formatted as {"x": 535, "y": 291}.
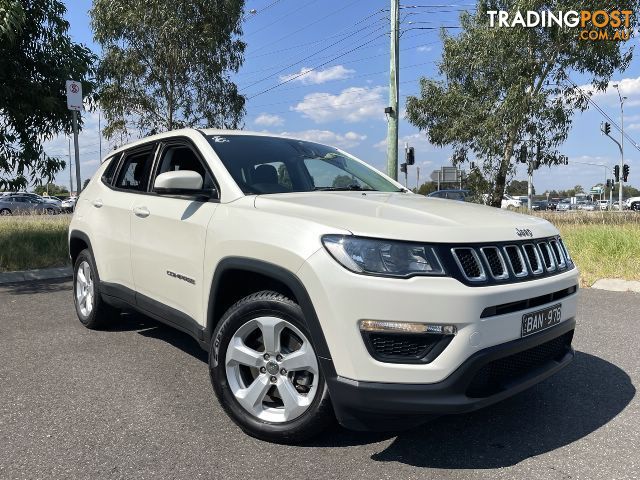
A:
{"x": 142, "y": 212}
{"x": 97, "y": 202}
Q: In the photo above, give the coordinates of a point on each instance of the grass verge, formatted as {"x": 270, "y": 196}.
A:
{"x": 28, "y": 242}
{"x": 602, "y": 244}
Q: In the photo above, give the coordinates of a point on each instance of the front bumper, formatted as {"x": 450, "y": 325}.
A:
{"x": 488, "y": 376}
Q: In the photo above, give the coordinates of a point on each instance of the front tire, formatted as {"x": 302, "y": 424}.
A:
{"x": 265, "y": 372}
{"x": 5, "y": 212}
{"x": 92, "y": 311}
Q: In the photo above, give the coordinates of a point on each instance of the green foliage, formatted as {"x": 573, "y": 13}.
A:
{"x": 53, "y": 189}
{"x": 520, "y": 187}
{"x": 427, "y": 187}
{"x": 36, "y": 60}
{"x": 166, "y": 64}
{"x": 11, "y": 19}
{"x": 500, "y": 87}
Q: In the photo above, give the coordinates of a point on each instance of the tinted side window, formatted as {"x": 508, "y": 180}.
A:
{"x": 109, "y": 173}
{"x": 134, "y": 172}
{"x": 182, "y": 157}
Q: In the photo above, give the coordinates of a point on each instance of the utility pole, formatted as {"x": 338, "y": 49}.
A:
{"x": 417, "y": 178}
{"x": 70, "y": 172}
{"x": 393, "y": 114}
{"x": 99, "y": 136}
{"x": 622, "y": 99}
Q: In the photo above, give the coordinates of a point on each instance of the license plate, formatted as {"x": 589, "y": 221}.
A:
{"x": 539, "y": 320}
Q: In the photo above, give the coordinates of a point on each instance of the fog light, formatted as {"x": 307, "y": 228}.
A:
{"x": 406, "y": 327}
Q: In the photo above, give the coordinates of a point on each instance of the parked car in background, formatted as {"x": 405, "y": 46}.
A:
{"x": 69, "y": 204}
{"x": 603, "y": 204}
{"x": 34, "y": 196}
{"x": 632, "y": 203}
{"x": 564, "y": 205}
{"x": 539, "y": 205}
{"x": 52, "y": 199}
{"x": 460, "y": 195}
{"x": 510, "y": 202}
{"x": 25, "y": 205}
{"x": 587, "y": 206}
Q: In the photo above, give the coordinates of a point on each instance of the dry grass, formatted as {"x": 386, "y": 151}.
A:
{"x": 602, "y": 244}
{"x": 33, "y": 241}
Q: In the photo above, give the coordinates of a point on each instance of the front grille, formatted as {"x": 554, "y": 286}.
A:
{"x": 405, "y": 348}
{"x": 499, "y": 374}
{"x": 505, "y": 262}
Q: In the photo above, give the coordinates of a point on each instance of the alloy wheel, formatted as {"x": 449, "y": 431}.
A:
{"x": 84, "y": 289}
{"x": 272, "y": 369}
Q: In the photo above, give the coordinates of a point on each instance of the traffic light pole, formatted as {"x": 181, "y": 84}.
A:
{"x": 621, "y": 151}
{"x": 621, "y": 168}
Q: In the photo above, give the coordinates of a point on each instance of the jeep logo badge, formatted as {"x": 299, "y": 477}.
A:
{"x": 524, "y": 232}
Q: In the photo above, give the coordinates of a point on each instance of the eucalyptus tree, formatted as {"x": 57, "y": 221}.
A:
{"x": 166, "y": 64}
{"x": 501, "y": 88}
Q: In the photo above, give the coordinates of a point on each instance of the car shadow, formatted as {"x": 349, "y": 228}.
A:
{"x": 563, "y": 409}
{"x": 150, "y": 328}
{"x": 575, "y": 402}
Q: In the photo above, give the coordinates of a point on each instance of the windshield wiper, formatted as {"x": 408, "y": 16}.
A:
{"x": 344, "y": 189}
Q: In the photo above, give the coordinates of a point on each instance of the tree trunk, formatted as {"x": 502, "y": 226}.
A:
{"x": 501, "y": 176}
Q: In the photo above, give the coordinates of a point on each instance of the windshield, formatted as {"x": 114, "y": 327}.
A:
{"x": 279, "y": 165}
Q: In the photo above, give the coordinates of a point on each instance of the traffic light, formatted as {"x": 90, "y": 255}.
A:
{"x": 410, "y": 156}
{"x": 616, "y": 173}
{"x": 523, "y": 154}
{"x": 403, "y": 167}
{"x": 625, "y": 172}
{"x": 606, "y": 128}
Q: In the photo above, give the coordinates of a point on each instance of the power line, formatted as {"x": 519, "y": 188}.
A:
{"x": 306, "y": 58}
{"x": 604, "y": 114}
{"x": 314, "y": 68}
{"x": 308, "y": 25}
{"x": 287, "y": 15}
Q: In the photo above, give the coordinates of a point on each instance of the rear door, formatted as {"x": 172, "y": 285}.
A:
{"x": 168, "y": 234}
{"x": 110, "y": 206}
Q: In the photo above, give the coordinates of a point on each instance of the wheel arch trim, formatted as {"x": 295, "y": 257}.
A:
{"x": 288, "y": 278}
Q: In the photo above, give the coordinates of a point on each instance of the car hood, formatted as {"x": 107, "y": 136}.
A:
{"x": 406, "y": 216}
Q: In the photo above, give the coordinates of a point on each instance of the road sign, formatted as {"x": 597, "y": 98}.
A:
{"x": 74, "y": 95}
{"x": 596, "y": 191}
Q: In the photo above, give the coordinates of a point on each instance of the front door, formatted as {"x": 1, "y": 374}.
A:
{"x": 168, "y": 234}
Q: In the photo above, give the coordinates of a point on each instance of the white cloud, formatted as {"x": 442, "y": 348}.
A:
{"x": 346, "y": 140}
{"x": 351, "y": 105}
{"x": 424, "y": 48}
{"x": 307, "y": 76}
{"x": 629, "y": 87}
{"x": 268, "y": 120}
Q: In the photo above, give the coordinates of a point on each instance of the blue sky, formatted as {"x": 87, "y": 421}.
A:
{"x": 342, "y": 102}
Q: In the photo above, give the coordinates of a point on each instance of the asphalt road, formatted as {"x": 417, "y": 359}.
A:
{"x": 135, "y": 402}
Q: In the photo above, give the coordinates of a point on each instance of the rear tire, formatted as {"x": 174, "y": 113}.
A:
{"x": 92, "y": 311}
{"x": 635, "y": 206}
{"x": 265, "y": 372}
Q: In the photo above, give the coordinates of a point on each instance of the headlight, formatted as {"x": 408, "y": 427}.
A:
{"x": 383, "y": 257}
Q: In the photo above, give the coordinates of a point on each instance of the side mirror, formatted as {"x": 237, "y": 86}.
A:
{"x": 180, "y": 182}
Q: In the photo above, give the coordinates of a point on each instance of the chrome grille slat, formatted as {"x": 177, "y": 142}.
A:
{"x": 548, "y": 259}
{"x": 496, "y": 263}
{"x": 533, "y": 258}
{"x": 558, "y": 254}
{"x": 516, "y": 261}
{"x": 469, "y": 264}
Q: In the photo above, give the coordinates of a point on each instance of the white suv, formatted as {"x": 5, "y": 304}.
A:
{"x": 320, "y": 287}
